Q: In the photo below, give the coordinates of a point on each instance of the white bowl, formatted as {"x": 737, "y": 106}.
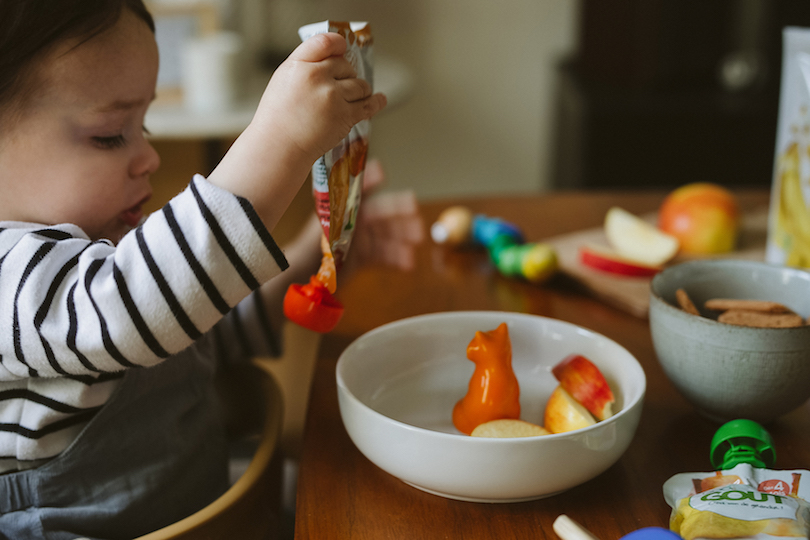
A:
{"x": 397, "y": 386}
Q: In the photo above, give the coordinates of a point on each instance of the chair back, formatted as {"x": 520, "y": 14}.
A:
{"x": 251, "y": 508}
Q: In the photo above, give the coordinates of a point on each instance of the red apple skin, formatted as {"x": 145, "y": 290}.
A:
{"x": 607, "y": 261}
{"x": 704, "y": 217}
{"x": 582, "y": 379}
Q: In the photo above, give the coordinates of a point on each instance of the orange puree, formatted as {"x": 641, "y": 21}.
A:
{"x": 493, "y": 392}
{"x": 327, "y": 273}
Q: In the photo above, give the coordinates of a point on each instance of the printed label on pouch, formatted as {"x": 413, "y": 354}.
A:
{"x": 738, "y": 501}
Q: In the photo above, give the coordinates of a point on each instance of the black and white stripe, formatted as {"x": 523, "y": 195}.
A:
{"x": 77, "y": 310}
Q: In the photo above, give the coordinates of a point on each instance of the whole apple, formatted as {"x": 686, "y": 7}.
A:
{"x": 704, "y": 217}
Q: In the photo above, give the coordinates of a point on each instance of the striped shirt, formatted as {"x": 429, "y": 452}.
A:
{"x": 77, "y": 313}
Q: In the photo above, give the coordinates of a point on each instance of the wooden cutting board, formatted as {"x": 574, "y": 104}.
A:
{"x": 631, "y": 294}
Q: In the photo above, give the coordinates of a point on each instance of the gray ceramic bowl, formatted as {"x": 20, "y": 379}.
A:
{"x": 730, "y": 371}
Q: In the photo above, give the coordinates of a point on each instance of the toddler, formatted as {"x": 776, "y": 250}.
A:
{"x": 113, "y": 323}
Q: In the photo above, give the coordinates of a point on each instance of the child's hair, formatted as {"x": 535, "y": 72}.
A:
{"x": 29, "y": 29}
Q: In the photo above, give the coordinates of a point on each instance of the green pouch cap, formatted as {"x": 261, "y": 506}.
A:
{"x": 742, "y": 441}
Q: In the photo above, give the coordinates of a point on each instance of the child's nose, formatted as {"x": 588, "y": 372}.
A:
{"x": 147, "y": 160}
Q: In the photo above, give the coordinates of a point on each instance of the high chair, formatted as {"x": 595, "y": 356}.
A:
{"x": 250, "y": 508}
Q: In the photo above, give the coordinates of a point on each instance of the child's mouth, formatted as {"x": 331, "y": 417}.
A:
{"x": 133, "y": 215}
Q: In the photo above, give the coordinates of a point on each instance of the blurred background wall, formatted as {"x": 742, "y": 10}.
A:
{"x": 478, "y": 117}
{"x": 533, "y": 95}
{"x": 477, "y": 112}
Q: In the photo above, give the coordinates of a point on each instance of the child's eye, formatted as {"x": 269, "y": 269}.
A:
{"x": 109, "y": 143}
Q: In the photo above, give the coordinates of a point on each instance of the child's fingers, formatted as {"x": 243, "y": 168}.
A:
{"x": 397, "y": 212}
{"x": 320, "y": 47}
{"x": 398, "y": 256}
{"x": 368, "y": 107}
{"x": 385, "y": 245}
{"x": 384, "y": 205}
{"x": 373, "y": 177}
{"x": 354, "y": 90}
{"x": 404, "y": 230}
{"x": 339, "y": 68}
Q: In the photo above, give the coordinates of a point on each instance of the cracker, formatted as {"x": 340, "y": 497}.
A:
{"x": 760, "y": 319}
{"x": 765, "y": 306}
{"x": 685, "y": 302}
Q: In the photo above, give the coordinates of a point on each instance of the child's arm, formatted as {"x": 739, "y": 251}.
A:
{"x": 312, "y": 101}
{"x": 70, "y": 306}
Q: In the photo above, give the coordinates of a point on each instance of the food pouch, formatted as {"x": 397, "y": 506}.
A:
{"x": 743, "y": 498}
{"x": 337, "y": 182}
{"x": 789, "y": 218}
{"x": 337, "y": 176}
{"x": 741, "y": 502}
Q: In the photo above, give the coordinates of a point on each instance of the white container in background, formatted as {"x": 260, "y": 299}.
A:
{"x": 211, "y": 72}
{"x": 789, "y": 218}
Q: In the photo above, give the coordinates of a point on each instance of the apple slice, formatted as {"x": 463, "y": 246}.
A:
{"x": 637, "y": 240}
{"x": 508, "y": 427}
{"x": 563, "y": 413}
{"x": 607, "y": 260}
{"x": 585, "y": 383}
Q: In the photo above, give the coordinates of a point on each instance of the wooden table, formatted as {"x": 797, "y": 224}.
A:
{"x": 342, "y": 495}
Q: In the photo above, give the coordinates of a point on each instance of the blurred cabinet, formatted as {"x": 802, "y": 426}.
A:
{"x": 665, "y": 92}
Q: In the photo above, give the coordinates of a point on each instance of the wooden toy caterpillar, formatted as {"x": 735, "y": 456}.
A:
{"x": 512, "y": 256}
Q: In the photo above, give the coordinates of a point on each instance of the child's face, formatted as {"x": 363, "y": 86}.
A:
{"x": 78, "y": 153}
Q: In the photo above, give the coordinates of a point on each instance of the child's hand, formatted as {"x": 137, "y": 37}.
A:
{"x": 311, "y": 103}
{"x": 314, "y": 97}
{"x": 389, "y": 226}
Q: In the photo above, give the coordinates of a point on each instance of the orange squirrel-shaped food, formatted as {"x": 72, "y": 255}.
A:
{"x": 493, "y": 392}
